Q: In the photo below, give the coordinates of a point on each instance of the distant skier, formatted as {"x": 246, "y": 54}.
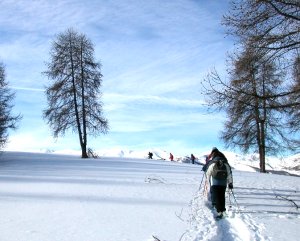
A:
{"x": 171, "y": 157}
{"x": 218, "y": 174}
{"x": 193, "y": 158}
{"x": 150, "y": 155}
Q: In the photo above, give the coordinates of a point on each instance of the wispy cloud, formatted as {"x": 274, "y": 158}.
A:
{"x": 123, "y": 98}
{"x": 26, "y": 88}
{"x": 137, "y": 113}
{"x": 154, "y": 55}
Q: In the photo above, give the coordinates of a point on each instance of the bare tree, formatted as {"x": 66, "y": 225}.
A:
{"x": 258, "y": 93}
{"x": 293, "y": 101}
{"x": 272, "y": 26}
{"x": 7, "y": 119}
{"x": 267, "y": 24}
{"x": 248, "y": 99}
{"x": 74, "y": 96}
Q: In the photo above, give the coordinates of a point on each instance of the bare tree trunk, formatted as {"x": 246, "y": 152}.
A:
{"x": 259, "y": 125}
{"x": 84, "y": 151}
{"x": 262, "y": 129}
{"x": 262, "y": 147}
{"x": 84, "y": 141}
{"x": 83, "y": 147}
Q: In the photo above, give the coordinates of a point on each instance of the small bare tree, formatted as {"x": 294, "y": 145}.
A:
{"x": 74, "y": 96}
{"x": 7, "y": 119}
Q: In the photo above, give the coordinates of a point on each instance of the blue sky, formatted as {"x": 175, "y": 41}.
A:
{"x": 154, "y": 55}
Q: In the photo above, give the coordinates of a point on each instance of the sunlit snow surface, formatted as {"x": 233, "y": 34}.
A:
{"x": 52, "y": 197}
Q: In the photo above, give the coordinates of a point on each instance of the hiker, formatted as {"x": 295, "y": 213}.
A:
{"x": 150, "y": 155}
{"x": 207, "y": 160}
{"x": 171, "y": 157}
{"x": 193, "y": 158}
{"x": 218, "y": 174}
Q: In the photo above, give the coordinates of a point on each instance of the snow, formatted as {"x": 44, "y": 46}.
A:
{"x": 124, "y": 197}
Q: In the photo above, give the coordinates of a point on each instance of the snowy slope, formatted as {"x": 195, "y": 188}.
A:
{"x": 51, "y": 197}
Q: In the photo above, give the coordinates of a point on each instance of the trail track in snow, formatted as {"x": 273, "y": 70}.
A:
{"x": 236, "y": 226}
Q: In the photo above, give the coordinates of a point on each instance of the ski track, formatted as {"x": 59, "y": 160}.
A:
{"x": 236, "y": 226}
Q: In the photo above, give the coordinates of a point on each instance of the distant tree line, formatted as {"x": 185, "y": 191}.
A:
{"x": 74, "y": 96}
{"x": 261, "y": 97}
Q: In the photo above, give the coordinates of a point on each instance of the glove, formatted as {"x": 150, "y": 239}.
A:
{"x": 230, "y": 186}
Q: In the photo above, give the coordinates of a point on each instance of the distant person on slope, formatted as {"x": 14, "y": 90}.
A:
{"x": 171, "y": 157}
{"x": 150, "y": 155}
{"x": 193, "y": 158}
{"x": 218, "y": 174}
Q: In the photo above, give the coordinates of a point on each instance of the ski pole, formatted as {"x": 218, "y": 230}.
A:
{"x": 229, "y": 199}
{"x": 205, "y": 189}
{"x": 201, "y": 182}
{"x": 235, "y": 201}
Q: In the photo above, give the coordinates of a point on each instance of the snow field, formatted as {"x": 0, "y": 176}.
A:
{"x": 50, "y": 197}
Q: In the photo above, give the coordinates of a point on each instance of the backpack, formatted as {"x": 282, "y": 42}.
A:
{"x": 219, "y": 171}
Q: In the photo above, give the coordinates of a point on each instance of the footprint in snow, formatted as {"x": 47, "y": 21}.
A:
{"x": 234, "y": 227}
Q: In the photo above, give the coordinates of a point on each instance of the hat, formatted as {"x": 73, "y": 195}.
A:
{"x": 214, "y": 149}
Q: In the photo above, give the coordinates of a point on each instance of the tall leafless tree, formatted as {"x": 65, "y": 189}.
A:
{"x": 249, "y": 98}
{"x": 7, "y": 119}
{"x": 74, "y": 96}
{"x": 268, "y": 38}
{"x": 272, "y": 26}
{"x": 253, "y": 121}
{"x": 267, "y": 24}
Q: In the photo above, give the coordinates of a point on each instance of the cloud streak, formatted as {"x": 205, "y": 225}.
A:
{"x": 154, "y": 55}
{"x": 124, "y": 98}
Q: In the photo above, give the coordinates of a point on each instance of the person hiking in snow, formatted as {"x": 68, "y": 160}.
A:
{"x": 150, "y": 155}
{"x": 218, "y": 174}
{"x": 207, "y": 160}
{"x": 171, "y": 157}
{"x": 193, "y": 158}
